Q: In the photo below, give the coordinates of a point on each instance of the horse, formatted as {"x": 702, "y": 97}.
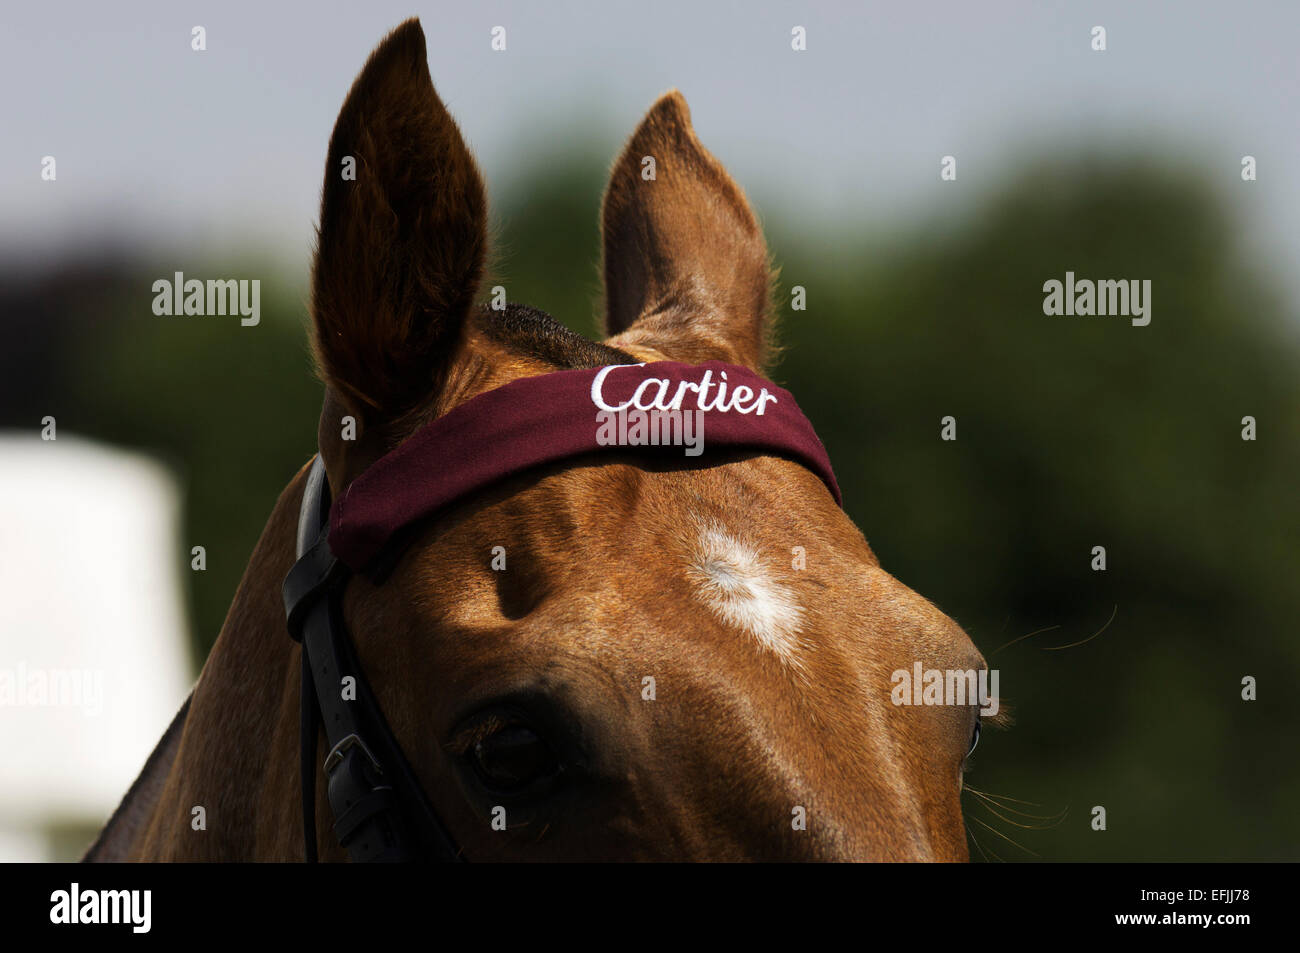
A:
{"x": 604, "y": 657}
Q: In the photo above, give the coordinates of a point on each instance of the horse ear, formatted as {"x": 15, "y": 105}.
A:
{"x": 402, "y": 238}
{"x": 685, "y": 265}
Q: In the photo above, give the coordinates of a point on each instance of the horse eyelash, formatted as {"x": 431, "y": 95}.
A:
{"x": 1004, "y": 718}
{"x": 464, "y": 740}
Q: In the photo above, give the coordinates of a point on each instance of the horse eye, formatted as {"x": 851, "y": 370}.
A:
{"x": 513, "y": 759}
{"x": 975, "y": 738}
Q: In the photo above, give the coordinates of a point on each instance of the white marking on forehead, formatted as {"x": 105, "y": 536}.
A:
{"x": 734, "y": 584}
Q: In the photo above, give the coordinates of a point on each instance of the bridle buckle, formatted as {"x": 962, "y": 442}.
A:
{"x": 335, "y": 757}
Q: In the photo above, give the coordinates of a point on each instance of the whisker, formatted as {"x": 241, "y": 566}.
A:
{"x": 995, "y": 856}
{"x": 1005, "y": 807}
{"x": 1054, "y": 819}
{"x": 1003, "y": 836}
{"x": 1057, "y": 648}
{"x": 1057, "y": 819}
{"x": 1001, "y": 797}
{"x": 1023, "y": 637}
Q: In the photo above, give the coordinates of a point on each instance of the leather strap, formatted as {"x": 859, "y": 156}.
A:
{"x": 369, "y": 781}
{"x": 308, "y": 728}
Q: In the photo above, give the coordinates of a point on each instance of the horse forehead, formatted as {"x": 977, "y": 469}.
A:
{"x": 735, "y": 580}
{"x": 726, "y": 547}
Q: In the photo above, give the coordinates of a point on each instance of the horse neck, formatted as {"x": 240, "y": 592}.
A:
{"x": 237, "y": 757}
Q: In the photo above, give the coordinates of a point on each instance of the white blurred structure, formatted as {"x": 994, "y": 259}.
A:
{"x": 93, "y": 637}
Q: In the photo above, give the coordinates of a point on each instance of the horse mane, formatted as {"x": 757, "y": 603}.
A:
{"x": 536, "y": 334}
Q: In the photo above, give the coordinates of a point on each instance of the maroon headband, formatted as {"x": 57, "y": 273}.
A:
{"x": 537, "y": 420}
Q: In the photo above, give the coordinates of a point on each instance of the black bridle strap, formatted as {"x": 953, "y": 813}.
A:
{"x": 308, "y": 727}
{"x": 380, "y": 810}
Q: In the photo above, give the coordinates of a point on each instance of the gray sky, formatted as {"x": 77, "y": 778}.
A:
{"x": 223, "y": 150}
